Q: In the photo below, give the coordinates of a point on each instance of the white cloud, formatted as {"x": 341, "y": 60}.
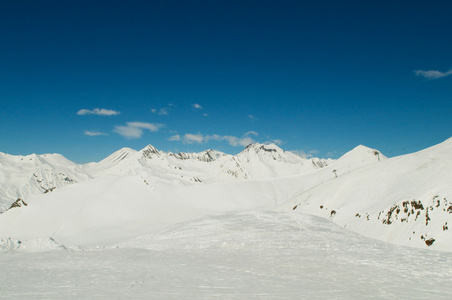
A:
{"x": 196, "y": 106}
{"x": 432, "y": 74}
{"x": 94, "y": 133}
{"x": 277, "y": 142}
{"x": 195, "y": 138}
{"x": 333, "y": 154}
{"x": 252, "y": 117}
{"x": 99, "y": 112}
{"x": 205, "y": 114}
{"x": 190, "y": 138}
{"x": 303, "y": 154}
{"x": 174, "y": 138}
{"x": 134, "y": 130}
{"x": 162, "y": 111}
{"x": 149, "y": 126}
{"x": 251, "y": 133}
{"x": 235, "y": 141}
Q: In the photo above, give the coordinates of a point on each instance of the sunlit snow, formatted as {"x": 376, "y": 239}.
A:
{"x": 261, "y": 224}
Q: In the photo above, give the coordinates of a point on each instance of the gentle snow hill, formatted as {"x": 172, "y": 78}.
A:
{"x": 110, "y": 209}
{"x": 406, "y": 200}
{"x": 21, "y": 176}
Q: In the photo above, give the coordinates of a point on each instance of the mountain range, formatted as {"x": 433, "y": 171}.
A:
{"x": 405, "y": 200}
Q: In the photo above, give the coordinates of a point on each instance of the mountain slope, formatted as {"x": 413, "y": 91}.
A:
{"x": 405, "y": 200}
{"x": 110, "y": 209}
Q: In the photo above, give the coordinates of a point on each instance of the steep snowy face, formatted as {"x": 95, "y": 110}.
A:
{"x": 21, "y": 176}
{"x": 404, "y": 200}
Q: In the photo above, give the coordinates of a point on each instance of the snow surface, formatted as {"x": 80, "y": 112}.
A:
{"x": 247, "y": 255}
{"x": 264, "y": 223}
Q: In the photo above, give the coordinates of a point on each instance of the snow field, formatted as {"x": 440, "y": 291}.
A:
{"x": 244, "y": 255}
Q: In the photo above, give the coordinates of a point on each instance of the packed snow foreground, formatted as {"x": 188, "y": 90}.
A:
{"x": 264, "y": 215}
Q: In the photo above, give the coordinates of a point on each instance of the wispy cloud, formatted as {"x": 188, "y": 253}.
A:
{"x": 134, "y": 130}
{"x": 235, "y": 141}
{"x": 94, "y": 133}
{"x": 205, "y": 114}
{"x": 196, "y": 106}
{"x": 162, "y": 111}
{"x": 199, "y": 138}
{"x": 195, "y": 138}
{"x": 252, "y": 117}
{"x": 303, "y": 154}
{"x": 432, "y": 74}
{"x": 174, "y": 138}
{"x": 251, "y": 133}
{"x": 98, "y": 111}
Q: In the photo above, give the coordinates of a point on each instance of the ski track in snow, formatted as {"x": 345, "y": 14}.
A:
{"x": 246, "y": 255}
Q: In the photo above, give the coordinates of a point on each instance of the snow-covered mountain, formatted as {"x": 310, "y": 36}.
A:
{"x": 403, "y": 200}
{"x": 256, "y": 161}
{"x": 21, "y": 176}
{"x": 134, "y": 192}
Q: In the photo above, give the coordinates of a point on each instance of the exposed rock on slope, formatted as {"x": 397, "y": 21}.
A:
{"x": 403, "y": 200}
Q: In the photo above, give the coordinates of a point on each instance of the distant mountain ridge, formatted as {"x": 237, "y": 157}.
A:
{"x": 21, "y": 176}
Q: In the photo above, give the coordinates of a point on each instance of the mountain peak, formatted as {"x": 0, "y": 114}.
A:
{"x": 360, "y": 155}
{"x": 257, "y": 147}
{"x": 119, "y": 155}
{"x": 149, "y": 151}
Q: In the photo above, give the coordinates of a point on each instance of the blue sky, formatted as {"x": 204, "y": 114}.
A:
{"x": 86, "y": 78}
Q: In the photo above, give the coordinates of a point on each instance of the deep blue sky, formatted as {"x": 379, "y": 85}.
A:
{"x": 319, "y": 77}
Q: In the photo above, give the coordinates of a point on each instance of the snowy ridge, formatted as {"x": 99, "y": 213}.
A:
{"x": 256, "y": 161}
